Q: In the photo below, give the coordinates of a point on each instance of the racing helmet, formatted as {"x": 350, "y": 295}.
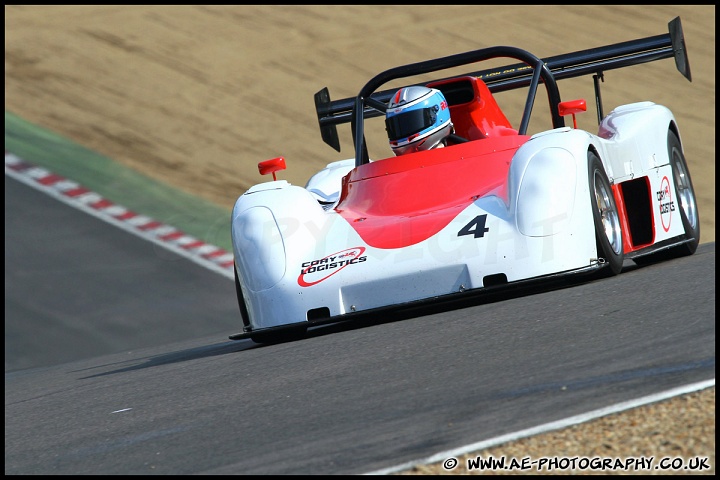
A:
{"x": 417, "y": 118}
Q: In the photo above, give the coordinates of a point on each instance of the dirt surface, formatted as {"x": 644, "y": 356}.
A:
{"x": 196, "y": 96}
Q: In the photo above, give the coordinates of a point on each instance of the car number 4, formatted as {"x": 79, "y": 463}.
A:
{"x": 476, "y": 227}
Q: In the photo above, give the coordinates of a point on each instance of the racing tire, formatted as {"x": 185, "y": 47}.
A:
{"x": 685, "y": 196}
{"x": 290, "y": 334}
{"x": 241, "y": 301}
{"x": 606, "y": 218}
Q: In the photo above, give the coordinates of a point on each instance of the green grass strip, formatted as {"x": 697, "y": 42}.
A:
{"x": 117, "y": 183}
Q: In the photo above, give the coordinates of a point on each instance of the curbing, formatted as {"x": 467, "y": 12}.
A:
{"x": 77, "y": 196}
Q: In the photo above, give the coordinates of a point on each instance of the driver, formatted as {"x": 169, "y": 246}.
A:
{"x": 417, "y": 118}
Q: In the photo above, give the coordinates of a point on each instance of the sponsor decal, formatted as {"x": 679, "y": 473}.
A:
{"x": 666, "y": 203}
{"x": 315, "y": 271}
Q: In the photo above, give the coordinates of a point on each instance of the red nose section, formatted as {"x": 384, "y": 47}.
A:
{"x": 272, "y": 166}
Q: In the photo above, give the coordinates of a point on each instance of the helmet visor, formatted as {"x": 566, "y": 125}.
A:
{"x": 410, "y": 122}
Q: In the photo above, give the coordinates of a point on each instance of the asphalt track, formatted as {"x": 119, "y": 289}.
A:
{"x": 78, "y": 287}
{"x": 132, "y": 371}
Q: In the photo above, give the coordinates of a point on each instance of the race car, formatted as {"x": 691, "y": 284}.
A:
{"x": 496, "y": 207}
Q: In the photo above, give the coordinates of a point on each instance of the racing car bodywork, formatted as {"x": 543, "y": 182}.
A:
{"x": 496, "y": 207}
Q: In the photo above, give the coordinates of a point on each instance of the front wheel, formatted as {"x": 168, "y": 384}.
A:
{"x": 286, "y": 335}
{"x": 241, "y": 301}
{"x": 608, "y": 232}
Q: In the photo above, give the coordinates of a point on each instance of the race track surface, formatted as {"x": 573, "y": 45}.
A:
{"x": 349, "y": 399}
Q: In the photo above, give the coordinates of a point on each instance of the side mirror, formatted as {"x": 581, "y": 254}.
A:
{"x": 271, "y": 166}
{"x": 571, "y": 107}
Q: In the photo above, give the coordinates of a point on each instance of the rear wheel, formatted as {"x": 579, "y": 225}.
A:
{"x": 608, "y": 232}
{"x": 685, "y": 194}
{"x": 685, "y": 200}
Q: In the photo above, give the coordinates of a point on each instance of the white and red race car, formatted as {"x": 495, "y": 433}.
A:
{"x": 496, "y": 208}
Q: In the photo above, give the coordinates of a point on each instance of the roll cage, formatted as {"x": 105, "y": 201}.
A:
{"x": 528, "y": 73}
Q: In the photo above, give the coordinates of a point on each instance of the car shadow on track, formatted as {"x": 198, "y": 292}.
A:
{"x": 206, "y": 351}
{"x": 375, "y": 317}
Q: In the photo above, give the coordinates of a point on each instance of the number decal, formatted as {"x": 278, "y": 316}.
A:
{"x": 476, "y": 227}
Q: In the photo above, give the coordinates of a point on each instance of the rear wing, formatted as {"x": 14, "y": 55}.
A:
{"x": 585, "y": 62}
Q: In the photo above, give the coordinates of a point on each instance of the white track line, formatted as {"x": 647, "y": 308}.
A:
{"x": 567, "y": 422}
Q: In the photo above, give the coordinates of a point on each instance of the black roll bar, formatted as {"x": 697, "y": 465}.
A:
{"x": 370, "y": 103}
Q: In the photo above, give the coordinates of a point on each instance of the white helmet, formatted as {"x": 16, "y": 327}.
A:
{"x": 417, "y": 118}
